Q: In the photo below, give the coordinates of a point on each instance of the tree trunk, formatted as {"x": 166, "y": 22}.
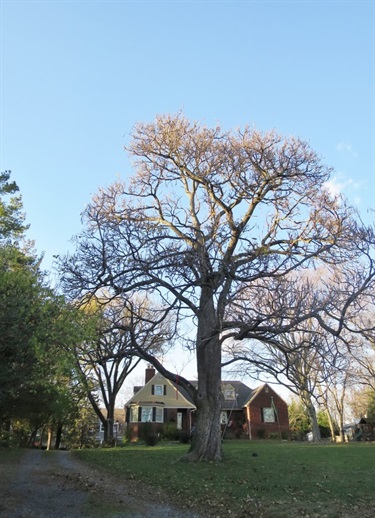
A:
{"x": 58, "y": 436}
{"x": 32, "y": 439}
{"x": 331, "y": 425}
{"x": 49, "y": 437}
{"x": 110, "y": 417}
{"x": 206, "y": 444}
{"x": 341, "y": 419}
{"x": 41, "y": 438}
{"x": 306, "y": 399}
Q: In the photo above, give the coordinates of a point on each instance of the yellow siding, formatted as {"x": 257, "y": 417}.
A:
{"x": 172, "y": 399}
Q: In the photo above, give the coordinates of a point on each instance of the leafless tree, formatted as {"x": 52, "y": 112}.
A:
{"x": 105, "y": 359}
{"x": 209, "y": 216}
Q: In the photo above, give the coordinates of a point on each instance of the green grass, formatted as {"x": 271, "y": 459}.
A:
{"x": 282, "y": 480}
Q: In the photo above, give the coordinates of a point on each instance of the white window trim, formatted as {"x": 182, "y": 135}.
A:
{"x": 134, "y": 414}
{"x": 159, "y": 415}
{"x": 145, "y": 414}
{"x": 223, "y": 417}
{"x": 158, "y": 390}
{"x": 179, "y": 420}
{"x": 229, "y": 392}
{"x": 269, "y": 415}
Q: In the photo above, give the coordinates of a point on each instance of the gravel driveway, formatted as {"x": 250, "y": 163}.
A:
{"x": 56, "y": 485}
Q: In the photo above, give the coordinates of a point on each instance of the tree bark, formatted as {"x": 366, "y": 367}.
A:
{"x": 306, "y": 399}
{"x": 49, "y": 437}
{"x": 58, "y": 435}
{"x": 206, "y": 444}
{"x": 108, "y": 430}
{"x": 331, "y": 425}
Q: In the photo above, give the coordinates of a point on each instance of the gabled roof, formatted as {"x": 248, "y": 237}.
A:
{"x": 242, "y": 392}
{"x": 178, "y": 397}
{"x": 175, "y": 396}
{"x": 258, "y": 390}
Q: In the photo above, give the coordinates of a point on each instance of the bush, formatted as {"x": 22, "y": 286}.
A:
{"x": 273, "y": 435}
{"x": 183, "y": 437}
{"x": 148, "y": 435}
{"x": 325, "y": 432}
{"x": 238, "y": 433}
{"x": 170, "y": 432}
{"x": 261, "y": 434}
{"x": 128, "y": 435}
{"x": 109, "y": 443}
{"x": 152, "y": 439}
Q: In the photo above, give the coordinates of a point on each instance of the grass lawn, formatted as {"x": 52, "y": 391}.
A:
{"x": 263, "y": 479}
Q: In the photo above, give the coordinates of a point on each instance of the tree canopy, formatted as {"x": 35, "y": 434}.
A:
{"x": 36, "y": 377}
{"x": 11, "y": 216}
{"x": 211, "y": 225}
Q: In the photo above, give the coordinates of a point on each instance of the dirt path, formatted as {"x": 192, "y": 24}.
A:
{"x": 55, "y": 485}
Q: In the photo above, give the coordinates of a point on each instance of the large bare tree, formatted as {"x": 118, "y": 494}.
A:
{"x": 208, "y": 217}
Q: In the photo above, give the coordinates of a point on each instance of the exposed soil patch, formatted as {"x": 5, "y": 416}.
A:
{"x": 56, "y": 485}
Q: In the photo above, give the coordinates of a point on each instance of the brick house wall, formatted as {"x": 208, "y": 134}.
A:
{"x": 260, "y": 428}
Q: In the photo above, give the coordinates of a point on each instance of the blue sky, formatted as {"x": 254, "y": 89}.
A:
{"x": 77, "y": 75}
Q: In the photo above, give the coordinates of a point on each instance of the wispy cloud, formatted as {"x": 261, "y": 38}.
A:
{"x": 346, "y": 147}
{"x": 342, "y": 186}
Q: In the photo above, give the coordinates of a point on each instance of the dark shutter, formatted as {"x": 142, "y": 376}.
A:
{"x": 165, "y": 390}
{"x": 152, "y": 389}
{"x": 165, "y": 415}
{"x": 128, "y": 414}
{"x": 139, "y": 414}
{"x": 262, "y": 415}
{"x": 153, "y": 414}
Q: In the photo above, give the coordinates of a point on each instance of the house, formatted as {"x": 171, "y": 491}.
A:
{"x": 254, "y": 414}
{"x": 118, "y": 426}
{"x": 159, "y": 401}
{"x": 246, "y": 413}
{"x": 366, "y": 425}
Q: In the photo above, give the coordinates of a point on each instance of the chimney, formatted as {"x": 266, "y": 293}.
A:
{"x": 150, "y": 373}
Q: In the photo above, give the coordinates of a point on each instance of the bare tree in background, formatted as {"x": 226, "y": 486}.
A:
{"x": 106, "y": 359}
{"x": 209, "y": 216}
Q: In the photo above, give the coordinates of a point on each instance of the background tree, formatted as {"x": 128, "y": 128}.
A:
{"x": 298, "y": 420}
{"x": 209, "y": 218}
{"x": 105, "y": 357}
{"x": 35, "y": 375}
{"x": 80, "y": 432}
{"x": 11, "y": 216}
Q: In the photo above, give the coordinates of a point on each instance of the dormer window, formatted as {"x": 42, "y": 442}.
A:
{"x": 159, "y": 390}
{"x": 229, "y": 392}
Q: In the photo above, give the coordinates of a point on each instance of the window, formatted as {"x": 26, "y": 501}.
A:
{"x": 146, "y": 415}
{"x": 159, "y": 415}
{"x": 179, "y": 420}
{"x": 133, "y": 414}
{"x": 229, "y": 392}
{"x": 223, "y": 418}
{"x": 159, "y": 390}
{"x": 268, "y": 415}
